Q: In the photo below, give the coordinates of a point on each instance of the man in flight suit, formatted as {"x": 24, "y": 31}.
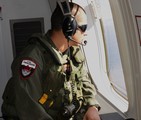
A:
{"x": 49, "y": 80}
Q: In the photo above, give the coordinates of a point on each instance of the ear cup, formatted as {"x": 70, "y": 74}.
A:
{"x": 69, "y": 26}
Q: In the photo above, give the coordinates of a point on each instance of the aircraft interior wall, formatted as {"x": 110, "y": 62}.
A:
{"x": 27, "y": 9}
{"x": 17, "y": 10}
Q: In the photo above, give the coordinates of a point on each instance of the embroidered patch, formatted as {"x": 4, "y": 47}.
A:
{"x": 27, "y": 68}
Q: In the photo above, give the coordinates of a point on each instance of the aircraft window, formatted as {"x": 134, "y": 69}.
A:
{"x": 114, "y": 66}
{"x": 102, "y": 54}
{"x": 22, "y": 29}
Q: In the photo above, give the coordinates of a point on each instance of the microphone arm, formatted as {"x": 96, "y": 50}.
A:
{"x": 70, "y": 38}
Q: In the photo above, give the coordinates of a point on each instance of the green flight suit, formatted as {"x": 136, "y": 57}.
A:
{"x": 36, "y": 88}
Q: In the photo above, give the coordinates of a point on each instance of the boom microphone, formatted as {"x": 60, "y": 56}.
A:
{"x": 84, "y": 42}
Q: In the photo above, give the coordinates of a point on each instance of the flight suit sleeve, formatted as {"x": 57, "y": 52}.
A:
{"x": 88, "y": 88}
{"x": 89, "y": 91}
{"x": 27, "y": 78}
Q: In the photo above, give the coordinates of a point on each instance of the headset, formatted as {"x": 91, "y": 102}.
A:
{"x": 69, "y": 25}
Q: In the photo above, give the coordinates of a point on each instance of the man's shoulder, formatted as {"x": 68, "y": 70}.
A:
{"x": 78, "y": 54}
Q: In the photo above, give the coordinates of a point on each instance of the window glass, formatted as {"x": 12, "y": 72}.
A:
{"x": 114, "y": 66}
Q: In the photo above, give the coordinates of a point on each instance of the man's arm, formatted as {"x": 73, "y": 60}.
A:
{"x": 26, "y": 88}
{"x": 89, "y": 93}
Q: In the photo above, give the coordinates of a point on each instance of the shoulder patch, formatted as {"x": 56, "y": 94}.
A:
{"x": 27, "y": 68}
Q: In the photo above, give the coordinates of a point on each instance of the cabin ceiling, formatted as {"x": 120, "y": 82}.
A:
{"x": 52, "y": 4}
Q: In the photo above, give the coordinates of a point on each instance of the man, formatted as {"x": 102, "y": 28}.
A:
{"x": 49, "y": 80}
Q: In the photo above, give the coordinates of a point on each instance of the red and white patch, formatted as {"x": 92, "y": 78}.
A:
{"x": 27, "y": 68}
